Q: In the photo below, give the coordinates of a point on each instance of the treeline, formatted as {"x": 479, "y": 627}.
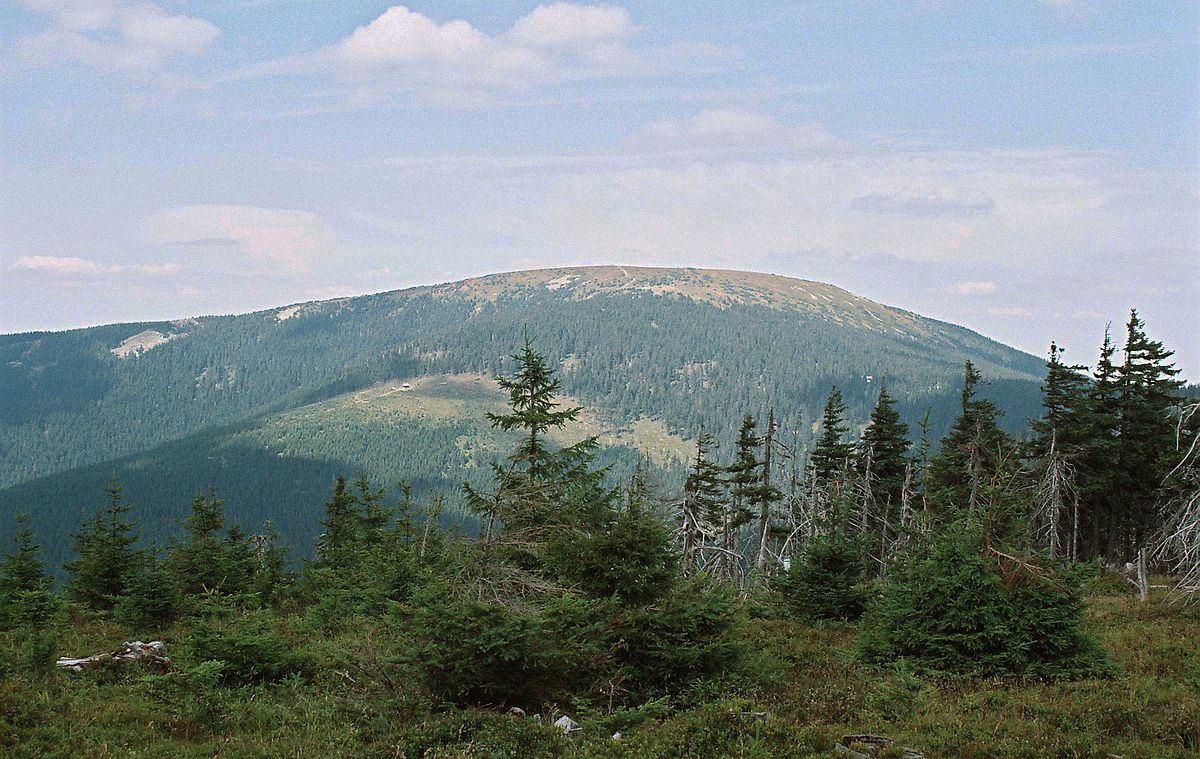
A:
{"x": 964, "y": 559}
{"x": 1098, "y": 476}
{"x": 67, "y": 402}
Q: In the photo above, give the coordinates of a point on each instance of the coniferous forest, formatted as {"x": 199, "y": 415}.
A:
{"x": 977, "y": 591}
{"x": 270, "y": 406}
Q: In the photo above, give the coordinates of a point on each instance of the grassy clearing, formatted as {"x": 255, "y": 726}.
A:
{"x": 804, "y": 677}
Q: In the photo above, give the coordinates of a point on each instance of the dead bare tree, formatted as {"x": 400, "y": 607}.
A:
{"x": 1178, "y": 542}
{"x": 768, "y": 494}
{"x": 512, "y": 526}
{"x": 1053, "y": 492}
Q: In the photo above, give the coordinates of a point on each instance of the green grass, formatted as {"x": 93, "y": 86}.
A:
{"x": 804, "y": 677}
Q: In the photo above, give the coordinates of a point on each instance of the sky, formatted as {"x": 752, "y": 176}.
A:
{"x": 1029, "y": 169}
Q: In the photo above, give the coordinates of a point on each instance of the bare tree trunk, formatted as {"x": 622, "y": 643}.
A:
{"x": 689, "y": 546}
{"x": 764, "y": 511}
{"x": 906, "y": 510}
{"x": 1056, "y": 484}
{"x": 1075, "y": 528}
{"x": 485, "y": 549}
{"x": 1143, "y": 580}
{"x": 1178, "y": 542}
{"x": 431, "y": 516}
{"x": 974, "y": 465}
{"x": 868, "y": 494}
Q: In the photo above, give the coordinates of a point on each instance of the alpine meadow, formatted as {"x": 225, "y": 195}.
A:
{"x": 516, "y": 380}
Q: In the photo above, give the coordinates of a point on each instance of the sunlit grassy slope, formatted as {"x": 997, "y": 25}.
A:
{"x": 431, "y": 431}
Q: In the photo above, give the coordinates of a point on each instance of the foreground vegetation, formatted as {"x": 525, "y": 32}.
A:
{"x": 721, "y": 623}
{"x": 342, "y": 699}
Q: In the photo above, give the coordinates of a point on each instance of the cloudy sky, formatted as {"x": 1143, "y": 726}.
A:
{"x": 1027, "y": 168}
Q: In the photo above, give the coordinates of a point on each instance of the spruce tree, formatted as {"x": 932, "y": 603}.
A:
{"x": 1064, "y": 398}
{"x": 831, "y": 451}
{"x": 702, "y": 512}
{"x": 1097, "y": 476}
{"x": 971, "y": 454}
{"x": 533, "y": 410}
{"x": 209, "y": 557}
{"x": 745, "y": 488}
{"x": 1054, "y": 450}
{"x": 544, "y": 499}
{"x": 375, "y": 516}
{"x": 26, "y": 595}
{"x": 1149, "y": 393}
{"x": 153, "y": 598}
{"x": 105, "y": 557}
{"x": 343, "y": 526}
{"x": 961, "y": 605}
{"x": 884, "y": 445}
{"x": 271, "y": 576}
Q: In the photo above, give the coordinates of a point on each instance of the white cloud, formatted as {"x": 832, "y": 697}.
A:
{"x": 736, "y": 128}
{"x": 112, "y": 34}
{"x": 705, "y": 205}
{"x": 940, "y": 201}
{"x": 79, "y": 15}
{"x": 454, "y": 64}
{"x": 457, "y": 64}
{"x": 972, "y": 288}
{"x": 73, "y": 266}
{"x": 561, "y": 25}
{"x": 58, "y": 264}
{"x": 1015, "y": 311}
{"x": 275, "y": 235}
{"x": 451, "y": 62}
{"x": 401, "y": 36}
{"x": 149, "y": 26}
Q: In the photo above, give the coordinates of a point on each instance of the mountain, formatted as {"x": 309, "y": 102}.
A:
{"x": 269, "y": 405}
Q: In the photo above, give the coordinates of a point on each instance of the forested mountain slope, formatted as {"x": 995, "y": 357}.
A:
{"x": 676, "y": 348}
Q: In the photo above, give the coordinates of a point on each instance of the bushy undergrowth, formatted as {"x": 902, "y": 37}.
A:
{"x": 246, "y": 644}
{"x": 959, "y": 606}
{"x": 485, "y": 653}
{"x": 816, "y": 692}
{"x": 826, "y": 581}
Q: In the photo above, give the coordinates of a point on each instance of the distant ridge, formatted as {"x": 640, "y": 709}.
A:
{"x": 268, "y": 405}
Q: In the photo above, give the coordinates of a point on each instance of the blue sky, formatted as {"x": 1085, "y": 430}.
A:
{"x": 1027, "y": 169}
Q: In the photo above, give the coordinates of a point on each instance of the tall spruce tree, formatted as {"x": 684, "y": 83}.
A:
{"x": 1097, "y": 475}
{"x": 971, "y": 454}
{"x": 26, "y": 593}
{"x": 883, "y": 449}
{"x": 343, "y": 526}
{"x": 544, "y": 500}
{"x": 533, "y": 410}
{"x": 1149, "y": 392}
{"x": 1064, "y": 398}
{"x": 702, "y": 510}
{"x": 831, "y": 451}
{"x": 1054, "y": 451}
{"x": 105, "y": 556}
{"x": 375, "y": 515}
{"x": 209, "y": 557}
{"x": 744, "y": 475}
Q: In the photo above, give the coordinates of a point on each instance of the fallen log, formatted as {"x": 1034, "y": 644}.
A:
{"x": 151, "y": 653}
{"x": 865, "y": 746}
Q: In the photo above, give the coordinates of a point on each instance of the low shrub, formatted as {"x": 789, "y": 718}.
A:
{"x": 960, "y": 607}
{"x": 826, "y": 581}
{"x": 247, "y": 646}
